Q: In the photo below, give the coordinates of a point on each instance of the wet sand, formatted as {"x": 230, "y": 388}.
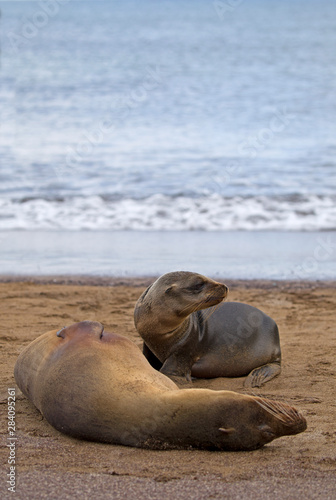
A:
{"x": 286, "y": 255}
{"x": 50, "y": 465}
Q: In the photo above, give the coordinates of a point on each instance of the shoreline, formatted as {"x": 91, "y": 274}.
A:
{"x": 135, "y": 254}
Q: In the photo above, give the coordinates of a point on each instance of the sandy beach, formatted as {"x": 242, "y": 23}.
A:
{"x": 49, "y": 464}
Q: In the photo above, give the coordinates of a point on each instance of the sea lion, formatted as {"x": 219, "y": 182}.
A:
{"x": 183, "y": 340}
{"x": 96, "y": 385}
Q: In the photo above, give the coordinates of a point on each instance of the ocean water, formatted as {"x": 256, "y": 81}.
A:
{"x": 168, "y": 116}
{"x": 279, "y": 255}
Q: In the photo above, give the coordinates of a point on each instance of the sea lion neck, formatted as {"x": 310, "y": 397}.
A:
{"x": 180, "y": 330}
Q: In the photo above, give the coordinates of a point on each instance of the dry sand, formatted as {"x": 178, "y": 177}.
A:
{"x": 52, "y": 465}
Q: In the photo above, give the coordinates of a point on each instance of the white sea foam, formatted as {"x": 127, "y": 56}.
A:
{"x": 161, "y": 212}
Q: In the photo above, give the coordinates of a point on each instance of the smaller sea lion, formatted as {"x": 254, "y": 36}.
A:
{"x": 96, "y": 385}
{"x": 181, "y": 339}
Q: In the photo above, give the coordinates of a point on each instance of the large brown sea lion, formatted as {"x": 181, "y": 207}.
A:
{"x": 98, "y": 386}
{"x": 181, "y": 339}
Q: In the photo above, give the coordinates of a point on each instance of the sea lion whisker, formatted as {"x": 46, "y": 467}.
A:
{"x": 292, "y": 415}
{"x": 200, "y": 302}
{"x": 286, "y": 414}
{"x": 197, "y": 305}
{"x": 271, "y": 405}
{"x": 271, "y": 410}
{"x": 211, "y": 311}
{"x": 286, "y": 410}
{"x": 194, "y": 308}
{"x": 282, "y": 408}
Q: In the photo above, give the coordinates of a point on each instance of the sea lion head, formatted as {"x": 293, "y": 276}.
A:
{"x": 257, "y": 421}
{"x": 188, "y": 292}
{"x": 174, "y": 296}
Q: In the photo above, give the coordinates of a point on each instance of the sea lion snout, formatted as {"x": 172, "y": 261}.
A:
{"x": 214, "y": 293}
{"x": 222, "y": 290}
{"x": 82, "y": 328}
{"x": 291, "y": 421}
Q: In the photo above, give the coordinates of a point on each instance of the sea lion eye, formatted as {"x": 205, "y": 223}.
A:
{"x": 197, "y": 286}
{"x": 266, "y": 430}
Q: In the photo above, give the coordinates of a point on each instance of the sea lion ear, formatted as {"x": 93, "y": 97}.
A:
{"x": 230, "y": 430}
{"x": 61, "y": 333}
{"x": 170, "y": 288}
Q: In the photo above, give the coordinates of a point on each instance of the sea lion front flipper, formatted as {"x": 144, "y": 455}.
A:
{"x": 175, "y": 368}
{"x": 181, "y": 381}
{"x": 262, "y": 374}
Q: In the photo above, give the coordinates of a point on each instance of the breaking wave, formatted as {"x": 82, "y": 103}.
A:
{"x": 168, "y": 213}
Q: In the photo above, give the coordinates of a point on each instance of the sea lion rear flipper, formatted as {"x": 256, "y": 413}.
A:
{"x": 262, "y": 374}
